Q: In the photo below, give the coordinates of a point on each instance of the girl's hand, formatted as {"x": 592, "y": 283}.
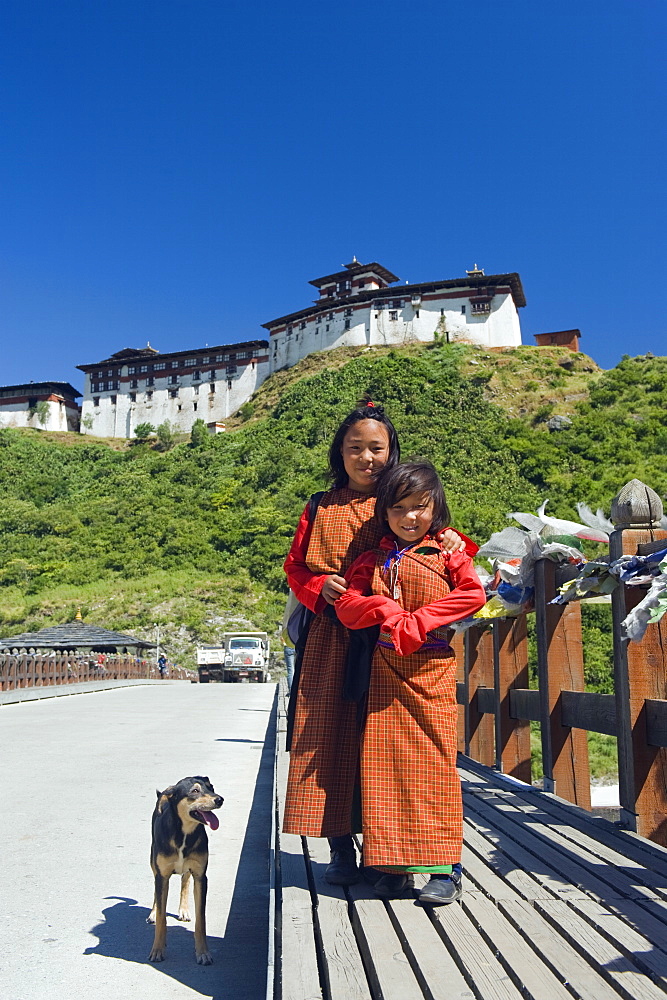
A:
{"x": 334, "y": 586}
{"x": 450, "y": 541}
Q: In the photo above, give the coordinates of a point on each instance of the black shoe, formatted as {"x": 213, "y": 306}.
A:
{"x": 342, "y": 869}
{"x": 441, "y": 889}
{"x": 390, "y": 886}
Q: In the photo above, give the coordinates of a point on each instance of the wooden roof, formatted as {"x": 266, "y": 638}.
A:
{"x": 74, "y": 635}
{"x": 37, "y": 388}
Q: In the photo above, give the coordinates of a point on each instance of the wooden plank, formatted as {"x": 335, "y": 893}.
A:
{"x": 478, "y": 962}
{"x": 525, "y": 704}
{"x": 561, "y": 957}
{"x": 299, "y": 975}
{"x": 634, "y": 932}
{"x": 618, "y": 969}
{"x": 560, "y": 667}
{"x": 485, "y": 699}
{"x": 492, "y": 870}
{"x": 346, "y": 975}
{"x": 510, "y": 650}
{"x": 656, "y": 722}
{"x": 652, "y": 856}
{"x": 587, "y": 710}
{"x": 434, "y": 966}
{"x": 387, "y": 966}
{"x": 640, "y": 673}
{"x": 521, "y": 962}
{"x": 586, "y": 835}
{"x": 480, "y": 742}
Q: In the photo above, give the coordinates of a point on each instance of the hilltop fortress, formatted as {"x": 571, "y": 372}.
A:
{"x": 359, "y": 306}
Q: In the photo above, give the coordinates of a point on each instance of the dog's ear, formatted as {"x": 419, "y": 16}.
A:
{"x": 206, "y": 779}
{"x": 163, "y": 797}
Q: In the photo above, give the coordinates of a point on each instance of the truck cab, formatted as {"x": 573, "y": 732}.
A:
{"x": 242, "y": 657}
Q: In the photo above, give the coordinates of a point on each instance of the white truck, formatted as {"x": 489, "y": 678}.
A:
{"x": 242, "y": 657}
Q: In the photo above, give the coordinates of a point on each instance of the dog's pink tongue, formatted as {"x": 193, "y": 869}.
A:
{"x": 211, "y": 819}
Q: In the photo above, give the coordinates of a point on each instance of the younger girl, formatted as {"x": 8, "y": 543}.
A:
{"x": 324, "y": 753}
{"x": 410, "y": 790}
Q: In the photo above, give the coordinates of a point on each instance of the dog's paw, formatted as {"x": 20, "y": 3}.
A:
{"x": 205, "y": 958}
{"x": 150, "y": 919}
{"x": 183, "y": 915}
{"x": 157, "y": 955}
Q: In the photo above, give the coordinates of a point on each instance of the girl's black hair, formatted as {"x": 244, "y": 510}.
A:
{"x": 365, "y": 411}
{"x": 411, "y": 477}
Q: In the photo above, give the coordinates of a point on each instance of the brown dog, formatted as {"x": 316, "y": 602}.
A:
{"x": 180, "y": 845}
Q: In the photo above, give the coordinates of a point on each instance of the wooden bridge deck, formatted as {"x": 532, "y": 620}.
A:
{"x": 557, "y": 904}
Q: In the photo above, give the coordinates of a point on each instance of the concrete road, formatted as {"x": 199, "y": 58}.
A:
{"x": 78, "y": 780}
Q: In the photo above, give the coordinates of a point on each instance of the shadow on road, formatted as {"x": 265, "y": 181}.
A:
{"x": 241, "y": 957}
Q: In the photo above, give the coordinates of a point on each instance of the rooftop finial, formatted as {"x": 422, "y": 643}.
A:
{"x": 477, "y": 272}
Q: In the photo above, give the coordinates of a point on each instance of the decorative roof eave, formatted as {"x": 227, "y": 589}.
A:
{"x": 73, "y": 635}
{"x": 485, "y": 281}
{"x": 355, "y": 268}
{"x": 174, "y": 354}
{"x": 31, "y": 388}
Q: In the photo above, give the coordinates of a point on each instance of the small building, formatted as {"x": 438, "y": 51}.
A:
{"x": 561, "y": 338}
{"x": 48, "y": 406}
{"x": 74, "y": 637}
{"x": 141, "y": 385}
{"x": 361, "y": 306}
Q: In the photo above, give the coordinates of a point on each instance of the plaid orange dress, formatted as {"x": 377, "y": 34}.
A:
{"x": 324, "y": 755}
{"x": 410, "y": 789}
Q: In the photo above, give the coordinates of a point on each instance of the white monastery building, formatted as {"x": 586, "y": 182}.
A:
{"x": 140, "y": 385}
{"x": 49, "y": 406}
{"x": 358, "y": 306}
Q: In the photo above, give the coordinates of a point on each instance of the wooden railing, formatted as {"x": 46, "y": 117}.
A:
{"x": 497, "y": 704}
{"x": 22, "y": 669}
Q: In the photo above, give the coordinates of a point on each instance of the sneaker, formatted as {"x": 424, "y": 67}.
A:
{"x": 442, "y": 889}
{"x": 390, "y": 886}
{"x": 342, "y": 869}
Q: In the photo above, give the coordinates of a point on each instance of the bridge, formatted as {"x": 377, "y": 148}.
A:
{"x": 558, "y": 903}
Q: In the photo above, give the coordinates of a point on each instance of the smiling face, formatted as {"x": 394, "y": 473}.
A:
{"x": 365, "y": 451}
{"x": 410, "y": 518}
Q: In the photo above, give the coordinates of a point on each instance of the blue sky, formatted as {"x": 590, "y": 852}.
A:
{"x": 175, "y": 171}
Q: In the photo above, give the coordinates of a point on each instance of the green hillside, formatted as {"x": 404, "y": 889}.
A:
{"x": 194, "y": 537}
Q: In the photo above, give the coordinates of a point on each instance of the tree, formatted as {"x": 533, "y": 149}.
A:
{"x": 143, "y": 431}
{"x": 165, "y": 436}
{"x": 87, "y": 421}
{"x": 198, "y": 434}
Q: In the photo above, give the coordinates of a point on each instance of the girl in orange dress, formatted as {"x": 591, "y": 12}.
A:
{"x": 408, "y": 586}
{"x": 324, "y": 730}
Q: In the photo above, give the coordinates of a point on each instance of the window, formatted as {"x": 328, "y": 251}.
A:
{"x": 317, "y": 329}
{"x": 133, "y": 397}
{"x": 160, "y": 366}
{"x": 229, "y": 383}
{"x": 143, "y": 368}
{"x": 289, "y": 331}
{"x": 393, "y": 315}
{"x": 190, "y": 362}
{"x": 96, "y": 401}
{"x": 131, "y": 369}
{"x": 220, "y": 357}
{"x": 174, "y": 379}
{"x": 112, "y": 385}
{"x": 149, "y": 396}
{"x": 174, "y": 364}
{"x": 347, "y": 324}
{"x": 231, "y": 369}
{"x": 242, "y": 354}
{"x": 134, "y": 384}
{"x": 330, "y": 316}
{"x": 173, "y": 393}
{"x": 113, "y": 400}
{"x": 150, "y": 380}
{"x": 98, "y": 375}
{"x": 211, "y": 387}
{"x": 396, "y": 304}
{"x": 318, "y": 320}
{"x": 194, "y": 406}
{"x": 256, "y": 352}
{"x": 362, "y": 284}
{"x": 180, "y": 407}
{"x": 348, "y": 312}
{"x": 205, "y": 361}
{"x": 196, "y": 376}
{"x": 302, "y": 326}
{"x": 211, "y": 375}
{"x": 463, "y": 311}
{"x": 195, "y": 390}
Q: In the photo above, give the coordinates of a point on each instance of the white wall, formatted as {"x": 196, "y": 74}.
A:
{"x": 61, "y": 417}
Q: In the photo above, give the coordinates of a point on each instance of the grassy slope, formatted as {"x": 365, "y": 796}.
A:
{"x": 195, "y": 537}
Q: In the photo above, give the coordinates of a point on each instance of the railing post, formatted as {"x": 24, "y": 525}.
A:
{"x": 510, "y": 660}
{"x": 479, "y": 669}
{"x": 462, "y": 710}
{"x": 640, "y": 672}
{"x": 560, "y": 667}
